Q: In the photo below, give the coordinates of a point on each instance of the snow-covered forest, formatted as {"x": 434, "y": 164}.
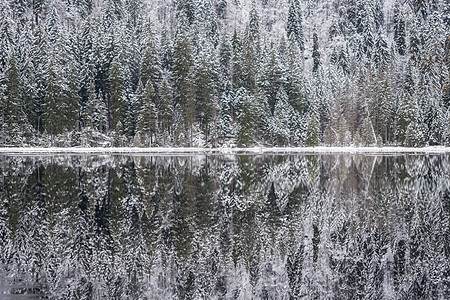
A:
{"x": 237, "y": 227}
{"x": 224, "y": 72}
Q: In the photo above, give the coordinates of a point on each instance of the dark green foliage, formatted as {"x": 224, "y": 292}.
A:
{"x": 146, "y": 124}
{"x": 312, "y": 133}
{"x": 247, "y": 119}
{"x": 117, "y": 97}
{"x": 294, "y": 26}
{"x": 315, "y": 52}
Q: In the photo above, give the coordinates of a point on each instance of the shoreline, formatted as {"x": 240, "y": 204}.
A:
{"x": 226, "y": 150}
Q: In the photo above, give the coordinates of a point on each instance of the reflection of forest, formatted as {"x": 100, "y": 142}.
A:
{"x": 273, "y": 227}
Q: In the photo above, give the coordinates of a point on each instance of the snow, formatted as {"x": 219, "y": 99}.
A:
{"x": 228, "y": 150}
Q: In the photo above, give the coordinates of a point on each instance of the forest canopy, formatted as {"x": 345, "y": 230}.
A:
{"x": 224, "y": 72}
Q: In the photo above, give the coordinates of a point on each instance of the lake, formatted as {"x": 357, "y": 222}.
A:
{"x": 225, "y": 227}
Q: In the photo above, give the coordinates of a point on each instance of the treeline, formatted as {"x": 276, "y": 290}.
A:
{"x": 110, "y": 73}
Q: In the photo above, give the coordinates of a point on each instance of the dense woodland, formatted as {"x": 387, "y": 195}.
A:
{"x": 224, "y": 72}
{"x": 282, "y": 227}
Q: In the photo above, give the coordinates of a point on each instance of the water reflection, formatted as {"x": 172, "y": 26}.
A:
{"x": 269, "y": 227}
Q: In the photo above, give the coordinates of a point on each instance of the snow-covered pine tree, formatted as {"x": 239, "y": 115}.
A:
{"x": 14, "y": 119}
{"x": 294, "y": 25}
{"x": 246, "y": 120}
{"x": 117, "y": 97}
{"x": 312, "y": 133}
{"x": 150, "y": 65}
{"x": 315, "y": 52}
{"x": 165, "y": 109}
{"x": 146, "y": 124}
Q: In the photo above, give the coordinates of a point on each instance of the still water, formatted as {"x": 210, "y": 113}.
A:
{"x": 225, "y": 227}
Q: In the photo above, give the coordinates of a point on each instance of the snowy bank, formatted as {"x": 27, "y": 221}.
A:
{"x": 251, "y": 150}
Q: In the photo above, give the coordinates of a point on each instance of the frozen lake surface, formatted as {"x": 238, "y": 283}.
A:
{"x": 225, "y": 226}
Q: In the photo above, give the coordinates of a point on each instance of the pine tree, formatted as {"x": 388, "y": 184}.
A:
{"x": 399, "y": 28}
{"x": 254, "y": 22}
{"x": 150, "y": 65}
{"x": 446, "y": 136}
{"x": 117, "y": 98}
{"x": 165, "y": 50}
{"x": 236, "y": 72}
{"x": 282, "y": 120}
{"x": 71, "y": 96}
{"x": 246, "y": 126}
{"x": 225, "y": 53}
{"x": 38, "y": 54}
{"x": 315, "y": 52}
{"x": 272, "y": 77}
{"x": 190, "y": 110}
{"x": 249, "y": 61}
{"x": 146, "y": 125}
{"x": 165, "y": 108}
{"x": 294, "y": 26}
{"x": 367, "y": 132}
{"x": 381, "y": 51}
{"x": 226, "y": 122}
{"x": 182, "y": 64}
{"x": 14, "y": 120}
{"x": 7, "y": 31}
{"x": 312, "y": 133}
{"x": 205, "y": 92}
{"x": 54, "y": 119}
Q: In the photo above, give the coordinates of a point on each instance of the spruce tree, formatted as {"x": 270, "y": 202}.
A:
{"x": 294, "y": 26}
{"x": 54, "y": 119}
{"x": 165, "y": 109}
{"x": 182, "y": 64}
{"x": 150, "y": 65}
{"x": 205, "y": 92}
{"x": 117, "y": 100}
{"x": 315, "y": 52}
{"x": 146, "y": 124}
{"x": 254, "y": 22}
{"x": 14, "y": 120}
{"x": 399, "y": 28}
{"x": 272, "y": 77}
{"x": 236, "y": 72}
{"x": 246, "y": 126}
{"x": 312, "y": 133}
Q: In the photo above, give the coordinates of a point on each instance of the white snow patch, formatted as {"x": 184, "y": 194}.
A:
{"x": 226, "y": 150}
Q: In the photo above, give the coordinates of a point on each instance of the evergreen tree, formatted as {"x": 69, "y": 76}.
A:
{"x": 117, "y": 99}
{"x": 254, "y": 22}
{"x": 146, "y": 124}
{"x": 38, "y": 54}
{"x": 246, "y": 126}
{"x": 190, "y": 110}
{"x": 294, "y": 26}
{"x": 367, "y": 132}
{"x": 399, "y": 28}
{"x": 381, "y": 51}
{"x": 205, "y": 92}
{"x": 13, "y": 116}
{"x": 312, "y": 133}
{"x": 283, "y": 120}
{"x": 315, "y": 52}
{"x": 165, "y": 108}
{"x": 182, "y": 64}
{"x": 150, "y": 65}
{"x": 54, "y": 120}
{"x": 272, "y": 77}
{"x": 236, "y": 72}
{"x": 165, "y": 50}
